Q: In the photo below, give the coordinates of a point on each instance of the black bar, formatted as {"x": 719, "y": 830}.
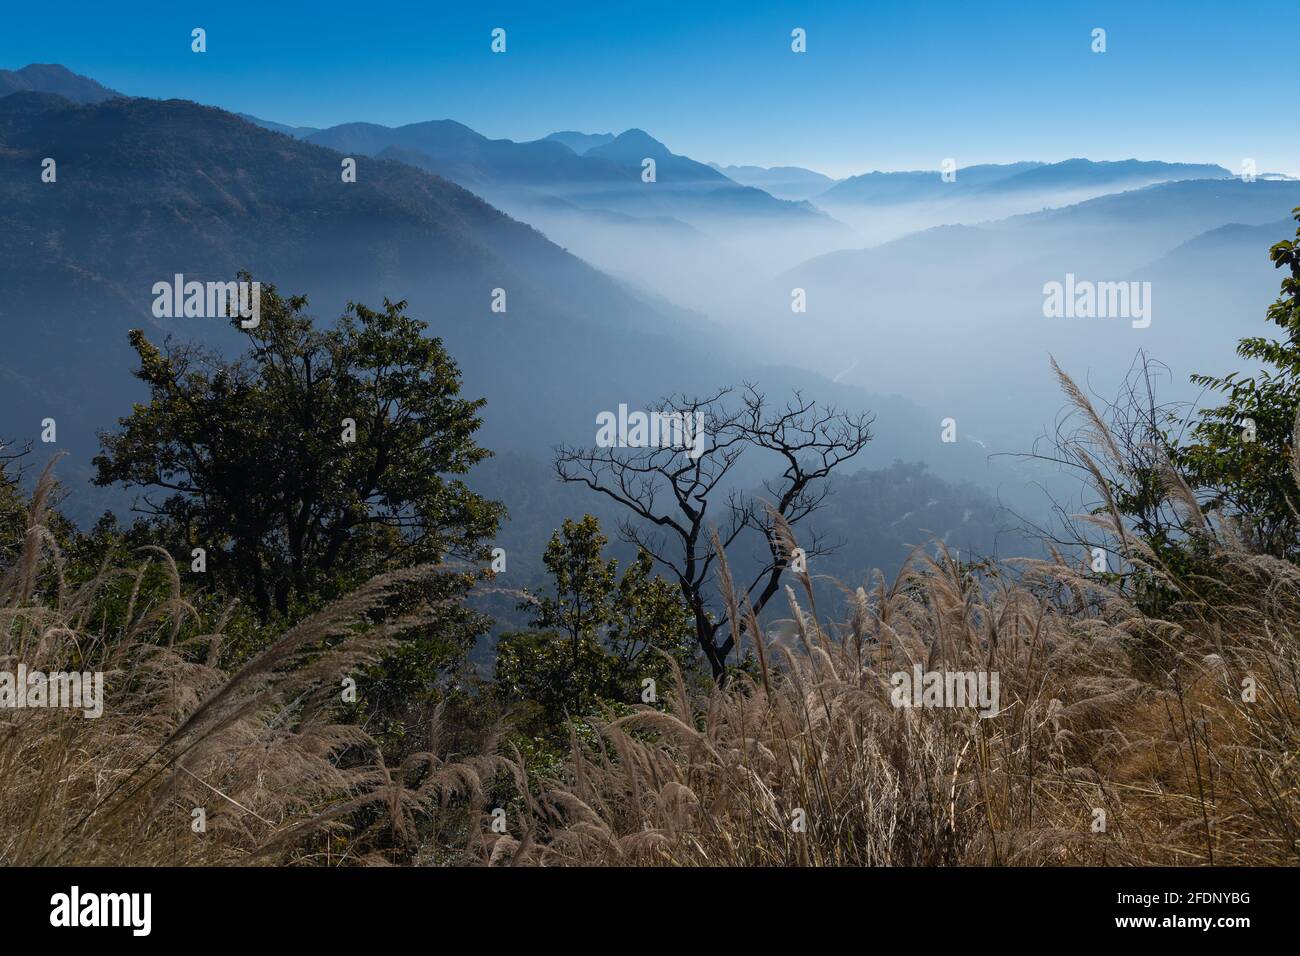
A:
{"x": 243, "y": 905}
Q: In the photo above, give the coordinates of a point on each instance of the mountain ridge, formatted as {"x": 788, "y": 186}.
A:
{"x": 54, "y": 78}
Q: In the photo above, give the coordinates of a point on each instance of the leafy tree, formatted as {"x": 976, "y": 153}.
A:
{"x": 584, "y": 584}
{"x": 316, "y": 460}
{"x": 13, "y": 509}
{"x": 598, "y": 635}
{"x": 1241, "y": 451}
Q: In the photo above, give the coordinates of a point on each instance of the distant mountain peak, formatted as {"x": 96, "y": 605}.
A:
{"x": 635, "y": 141}
{"x": 631, "y": 147}
{"x": 580, "y": 142}
{"x": 57, "y": 79}
{"x": 445, "y": 126}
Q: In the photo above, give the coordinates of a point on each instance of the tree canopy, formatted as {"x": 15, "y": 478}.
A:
{"x": 1241, "y": 451}
{"x": 319, "y": 458}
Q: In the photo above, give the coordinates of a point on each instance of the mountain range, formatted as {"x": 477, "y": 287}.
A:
{"x": 959, "y": 300}
{"x": 635, "y": 289}
{"x": 55, "y": 79}
{"x": 988, "y": 180}
{"x": 604, "y": 174}
{"x": 783, "y": 182}
{"x": 211, "y": 194}
{"x": 149, "y": 188}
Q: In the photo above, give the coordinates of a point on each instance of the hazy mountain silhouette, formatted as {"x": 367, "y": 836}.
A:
{"x": 991, "y": 180}
{"x": 297, "y": 132}
{"x": 1202, "y": 245}
{"x": 1209, "y": 254}
{"x": 53, "y": 78}
{"x": 1125, "y": 174}
{"x": 580, "y": 142}
{"x": 630, "y": 148}
{"x": 919, "y": 185}
{"x": 148, "y": 188}
{"x": 603, "y": 177}
{"x": 458, "y": 153}
{"x": 783, "y": 182}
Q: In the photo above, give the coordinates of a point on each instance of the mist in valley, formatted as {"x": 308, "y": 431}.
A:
{"x": 919, "y": 298}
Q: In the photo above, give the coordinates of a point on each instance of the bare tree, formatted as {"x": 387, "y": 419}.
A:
{"x": 670, "y": 489}
{"x": 11, "y": 452}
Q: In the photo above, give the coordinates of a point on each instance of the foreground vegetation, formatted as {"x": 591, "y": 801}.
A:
{"x": 1103, "y": 708}
{"x": 307, "y": 702}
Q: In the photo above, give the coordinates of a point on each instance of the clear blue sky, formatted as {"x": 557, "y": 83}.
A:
{"x": 884, "y": 85}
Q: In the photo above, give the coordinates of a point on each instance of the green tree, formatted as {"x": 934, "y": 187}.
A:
{"x": 13, "y": 509}
{"x": 1241, "y": 451}
{"x": 584, "y": 585}
{"x": 321, "y": 457}
{"x": 598, "y": 636}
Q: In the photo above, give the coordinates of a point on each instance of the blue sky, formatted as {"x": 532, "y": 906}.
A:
{"x": 884, "y": 85}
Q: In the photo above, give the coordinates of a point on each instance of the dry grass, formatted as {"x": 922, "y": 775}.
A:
{"x": 1186, "y": 772}
{"x": 1101, "y": 708}
{"x": 261, "y": 751}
